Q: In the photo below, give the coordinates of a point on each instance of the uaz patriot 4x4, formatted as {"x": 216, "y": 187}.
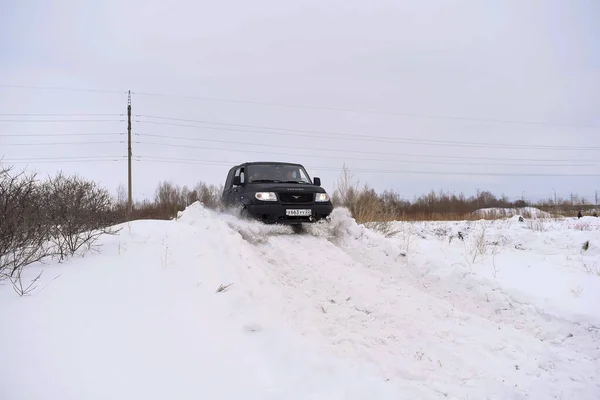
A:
{"x": 274, "y": 192}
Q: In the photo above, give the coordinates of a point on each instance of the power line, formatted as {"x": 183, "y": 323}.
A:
{"x": 354, "y": 151}
{"x": 61, "y": 143}
{"x": 60, "y": 161}
{"x": 354, "y": 110}
{"x": 61, "y": 158}
{"x": 382, "y": 171}
{"x": 384, "y": 139}
{"x": 303, "y": 106}
{"x": 62, "y": 88}
{"x": 60, "y": 115}
{"x": 61, "y": 120}
{"x": 57, "y": 134}
{"x": 366, "y": 159}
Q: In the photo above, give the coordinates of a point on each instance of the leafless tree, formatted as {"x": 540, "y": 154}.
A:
{"x": 24, "y": 229}
{"x": 80, "y": 212}
{"x": 209, "y": 195}
{"x": 121, "y": 195}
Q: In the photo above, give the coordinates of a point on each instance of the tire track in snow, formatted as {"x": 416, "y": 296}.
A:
{"x": 466, "y": 292}
{"x": 411, "y": 335}
{"x": 476, "y": 295}
{"x": 355, "y": 293}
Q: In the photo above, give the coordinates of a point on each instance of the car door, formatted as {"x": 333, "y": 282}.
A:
{"x": 236, "y": 191}
{"x": 227, "y": 187}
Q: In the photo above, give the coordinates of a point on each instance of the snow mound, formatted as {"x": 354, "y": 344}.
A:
{"x": 212, "y": 306}
{"x": 525, "y": 212}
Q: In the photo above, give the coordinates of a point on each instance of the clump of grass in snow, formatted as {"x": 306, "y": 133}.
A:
{"x": 477, "y": 248}
{"x": 223, "y": 288}
{"x": 536, "y": 225}
{"x": 386, "y": 228}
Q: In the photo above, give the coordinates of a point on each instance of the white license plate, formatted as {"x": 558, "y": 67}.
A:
{"x": 299, "y": 213}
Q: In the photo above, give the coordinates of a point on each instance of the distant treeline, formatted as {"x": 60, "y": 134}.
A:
{"x": 365, "y": 203}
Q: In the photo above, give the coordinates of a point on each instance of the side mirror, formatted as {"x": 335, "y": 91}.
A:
{"x": 317, "y": 181}
{"x": 237, "y": 180}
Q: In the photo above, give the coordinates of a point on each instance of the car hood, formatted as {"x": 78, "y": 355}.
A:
{"x": 286, "y": 187}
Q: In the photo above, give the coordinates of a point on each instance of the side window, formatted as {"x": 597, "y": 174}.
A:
{"x": 229, "y": 180}
{"x": 302, "y": 176}
{"x": 240, "y": 172}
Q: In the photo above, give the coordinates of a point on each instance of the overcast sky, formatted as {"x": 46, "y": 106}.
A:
{"x": 460, "y": 85}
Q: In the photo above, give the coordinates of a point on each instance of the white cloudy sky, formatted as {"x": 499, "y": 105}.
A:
{"x": 459, "y": 84}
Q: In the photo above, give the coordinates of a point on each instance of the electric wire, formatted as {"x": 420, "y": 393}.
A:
{"x": 60, "y": 115}
{"x": 364, "y": 111}
{"x": 303, "y": 106}
{"x": 59, "y": 134}
{"x": 352, "y": 151}
{"x": 383, "y": 139}
{"x": 60, "y": 143}
{"x": 360, "y": 158}
{"x": 62, "y": 120}
{"x": 58, "y": 88}
{"x": 382, "y": 171}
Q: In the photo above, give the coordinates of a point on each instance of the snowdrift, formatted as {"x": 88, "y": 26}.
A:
{"x": 498, "y": 311}
{"x": 525, "y": 212}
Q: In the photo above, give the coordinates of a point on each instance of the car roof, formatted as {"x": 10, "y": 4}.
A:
{"x": 272, "y": 162}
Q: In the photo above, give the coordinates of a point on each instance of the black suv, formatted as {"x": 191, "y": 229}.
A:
{"x": 275, "y": 192}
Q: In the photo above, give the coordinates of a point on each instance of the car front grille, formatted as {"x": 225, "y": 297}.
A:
{"x": 296, "y": 197}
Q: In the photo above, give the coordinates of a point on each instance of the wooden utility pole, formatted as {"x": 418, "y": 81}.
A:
{"x": 129, "y": 197}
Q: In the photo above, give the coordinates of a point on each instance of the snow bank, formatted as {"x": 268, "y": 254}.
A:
{"x": 369, "y": 298}
{"x": 337, "y": 312}
{"x": 525, "y": 212}
{"x": 538, "y": 262}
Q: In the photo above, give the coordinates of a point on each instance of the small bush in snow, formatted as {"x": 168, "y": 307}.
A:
{"x": 583, "y": 227}
{"x": 39, "y": 220}
{"x": 386, "y": 228}
{"x": 80, "y": 212}
{"x": 586, "y": 245}
{"x": 536, "y": 225}
{"x": 24, "y": 227}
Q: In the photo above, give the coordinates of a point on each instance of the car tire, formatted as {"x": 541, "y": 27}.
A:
{"x": 244, "y": 214}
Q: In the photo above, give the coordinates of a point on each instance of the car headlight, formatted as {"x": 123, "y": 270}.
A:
{"x": 266, "y": 196}
{"x": 322, "y": 197}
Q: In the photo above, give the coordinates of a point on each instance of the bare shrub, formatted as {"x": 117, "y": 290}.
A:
{"x": 478, "y": 248}
{"x": 24, "y": 228}
{"x": 583, "y": 227}
{"x": 346, "y": 189}
{"x": 80, "y": 212}
{"x": 386, "y": 228}
{"x": 170, "y": 199}
{"x": 366, "y": 205}
{"x": 577, "y": 291}
{"x": 536, "y": 225}
{"x": 223, "y": 288}
{"x": 209, "y": 195}
{"x": 18, "y": 286}
{"x": 586, "y": 245}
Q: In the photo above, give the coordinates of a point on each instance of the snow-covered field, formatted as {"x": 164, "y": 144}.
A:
{"x": 505, "y": 310}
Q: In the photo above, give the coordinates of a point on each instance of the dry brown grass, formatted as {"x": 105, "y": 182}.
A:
{"x": 367, "y": 206}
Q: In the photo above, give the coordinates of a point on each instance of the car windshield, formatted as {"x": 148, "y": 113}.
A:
{"x": 277, "y": 173}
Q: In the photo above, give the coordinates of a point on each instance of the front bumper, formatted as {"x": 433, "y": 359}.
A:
{"x": 276, "y": 213}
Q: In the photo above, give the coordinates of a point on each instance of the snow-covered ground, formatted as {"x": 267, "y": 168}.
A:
{"x": 527, "y": 212}
{"x": 510, "y": 311}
